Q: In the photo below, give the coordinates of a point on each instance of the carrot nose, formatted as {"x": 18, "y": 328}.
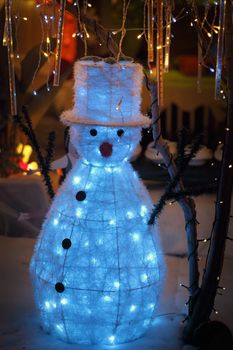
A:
{"x": 105, "y": 149}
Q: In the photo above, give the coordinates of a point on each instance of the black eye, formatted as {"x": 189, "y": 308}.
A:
{"x": 120, "y": 132}
{"x": 93, "y": 132}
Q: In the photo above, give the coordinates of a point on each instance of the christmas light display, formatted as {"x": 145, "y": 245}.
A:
{"x": 97, "y": 266}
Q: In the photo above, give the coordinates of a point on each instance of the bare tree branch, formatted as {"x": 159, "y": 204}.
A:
{"x": 214, "y": 263}
{"x": 187, "y": 204}
{"x": 102, "y": 34}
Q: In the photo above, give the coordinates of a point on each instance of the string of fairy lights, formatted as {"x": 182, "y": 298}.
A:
{"x": 158, "y": 19}
{"x": 207, "y": 25}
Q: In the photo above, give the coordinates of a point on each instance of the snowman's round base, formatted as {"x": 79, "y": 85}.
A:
{"x": 125, "y": 335}
{"x": 89, "y": 317}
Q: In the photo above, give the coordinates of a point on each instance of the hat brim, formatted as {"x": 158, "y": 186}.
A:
{"x": 69, "y": 117}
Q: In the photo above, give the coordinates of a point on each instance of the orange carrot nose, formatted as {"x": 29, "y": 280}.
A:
{"x": 106, "y": 149}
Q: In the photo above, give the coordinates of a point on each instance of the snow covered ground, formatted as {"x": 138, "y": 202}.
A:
{"x": 19, "y": 326}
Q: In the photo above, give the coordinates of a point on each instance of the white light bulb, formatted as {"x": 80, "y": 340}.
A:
{"x": 64, "y": 301}
{"x": 59, "y": 327}
{"x": 55, "y": 222}
{"x": 116, "y": 284}
{"x": 107, "y": 298}
{"x": 47, "y": 304}
{"x": 112, "y": 339}
{"x": 79, "y": 212}
{"x": 88, "y": 186}
{"x": 150, "y": 257}
{"x": 94, "y": 261}
{"x": 143, "y": 210}
{"x": 132, "y": 308}
{"x": 59, "y": 251}
{"x": 86, "y": 244}
{"x": 130, "y": 215}
{"x": 144, "y": 277}
{"x": 136, "y": 237}
{"x": 76, "y": 180}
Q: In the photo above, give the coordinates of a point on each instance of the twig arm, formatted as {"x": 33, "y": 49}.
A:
{"x": 43, "y": 161}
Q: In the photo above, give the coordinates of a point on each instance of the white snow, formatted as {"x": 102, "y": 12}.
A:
{"x": 19, "y": 322}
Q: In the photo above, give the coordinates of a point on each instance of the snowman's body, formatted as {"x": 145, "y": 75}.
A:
{"x": 97, "y": 263}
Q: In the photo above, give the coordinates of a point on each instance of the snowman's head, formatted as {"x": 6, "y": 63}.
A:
{"x": 102, "y": 145}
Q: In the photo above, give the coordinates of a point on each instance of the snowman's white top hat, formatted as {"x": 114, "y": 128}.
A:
{"x": 106, "y": 93}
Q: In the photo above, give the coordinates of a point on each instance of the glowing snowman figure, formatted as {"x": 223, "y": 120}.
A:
{"x": 97, "y": 264}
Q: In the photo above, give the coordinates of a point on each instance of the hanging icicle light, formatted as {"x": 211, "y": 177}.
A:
{"x": 168, "y": 35}
{"x": 199, "y": 68}
{"x": 60, "y": 32}
{"x": 218, "y": 70}
{"x": 159, "y": 52}
{"x": 8, "y": 38}
{"x": 150, "y": 36}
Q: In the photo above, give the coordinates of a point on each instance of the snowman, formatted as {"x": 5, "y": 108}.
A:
{"x": 97, "y": 265}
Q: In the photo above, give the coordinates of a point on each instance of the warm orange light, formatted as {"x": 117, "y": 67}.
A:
{"x": 153, "y": 72}
{"x": 33, "y": 166}
{"x": 69, "y": 46}
{"x": 25, "y": 150}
